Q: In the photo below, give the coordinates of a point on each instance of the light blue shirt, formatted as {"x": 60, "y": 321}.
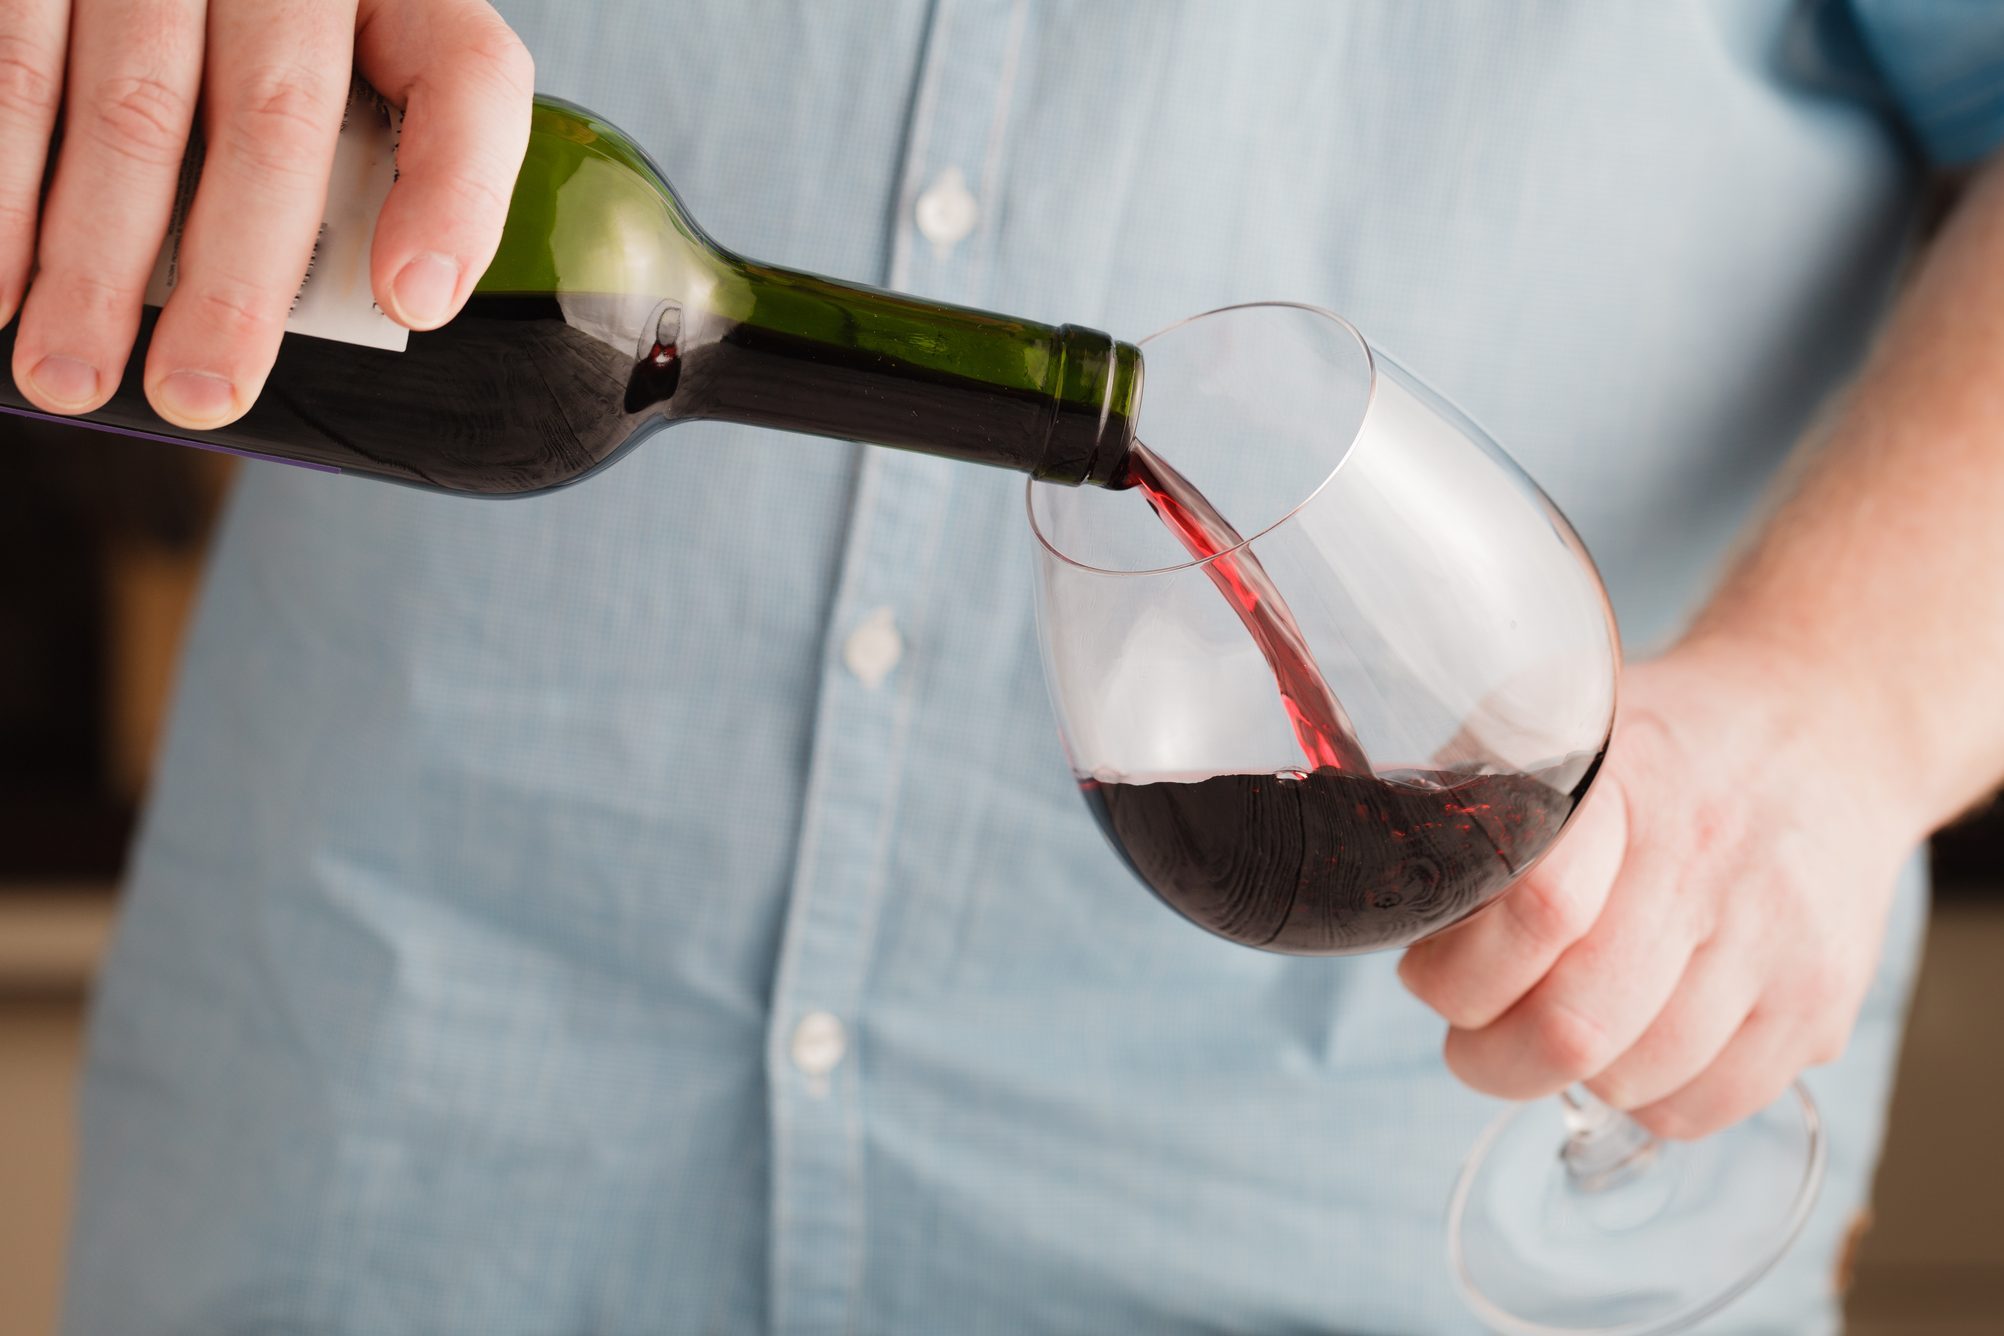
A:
{"x": 663, "y": 906}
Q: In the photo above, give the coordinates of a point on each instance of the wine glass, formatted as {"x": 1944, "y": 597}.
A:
{"x": 1359, "y": 725}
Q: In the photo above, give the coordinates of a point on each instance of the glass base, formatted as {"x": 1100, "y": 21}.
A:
{"x": 1642, "y": 1254}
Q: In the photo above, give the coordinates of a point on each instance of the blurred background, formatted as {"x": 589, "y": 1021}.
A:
{"x": 101, "y": 546}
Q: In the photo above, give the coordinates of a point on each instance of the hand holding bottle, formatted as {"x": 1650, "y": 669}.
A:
{"x": 272, "y": 80}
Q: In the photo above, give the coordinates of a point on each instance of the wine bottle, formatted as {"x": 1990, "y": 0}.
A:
{"x": 606, "y": 313}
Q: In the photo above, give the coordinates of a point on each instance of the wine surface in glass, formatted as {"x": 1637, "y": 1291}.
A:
{"x": 1330, "y": 862}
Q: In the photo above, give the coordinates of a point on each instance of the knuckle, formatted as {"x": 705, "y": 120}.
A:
{"x": 475, "y": 196}
{"x": 91, "y": 296}
{"x": 1440, "y": 982}
{"x": 1822, "y": 988}
{"x": 1723, "y": 830}
{"x": 1441, "y": 999}
{"x": 1549, "y": 909}
{"x": 1793, "y": 898}
{"x": 1827, "y": 1044}
{"x": 1471, "y": 1059}
{"x": 235, "y": 310}
{"x": 1647, "y": 740}
{"x": 280, "y": 115}
{"x": 1615, "y": 1088}
{"x": 494, "y": 45}
{"x": 1713, "y": 829}
{"x": 1569, "y": 1042}
{"x": 1463, "y": 1009}
{"x": 17, "y": 219}
{"x": 1673, "y": 1122}
{"x": 1463, "y": 1013}
{"x": 142, "y": 118}
{"x": 28, "y": 84}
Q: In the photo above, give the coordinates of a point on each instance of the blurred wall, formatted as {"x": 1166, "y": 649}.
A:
{"x": 101, "y": 540}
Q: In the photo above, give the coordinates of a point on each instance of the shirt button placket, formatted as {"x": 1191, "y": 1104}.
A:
{"x": 817, "y": 1051}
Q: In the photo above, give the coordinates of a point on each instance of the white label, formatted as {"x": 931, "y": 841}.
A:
{"x": 334, "y": 301}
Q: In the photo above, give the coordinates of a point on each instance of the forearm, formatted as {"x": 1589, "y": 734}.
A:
{"x": 1871, "y": 604}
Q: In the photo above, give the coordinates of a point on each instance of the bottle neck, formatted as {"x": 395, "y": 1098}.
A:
{"x": 797, "y": 352}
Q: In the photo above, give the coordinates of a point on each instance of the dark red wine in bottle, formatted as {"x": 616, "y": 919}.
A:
{"x": 607, "y": 313}
{"x": 1329, "y": 862}
{"x": 1320, "y": 724}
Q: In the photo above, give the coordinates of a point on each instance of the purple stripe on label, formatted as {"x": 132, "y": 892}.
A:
{"x": 171, "y": 440}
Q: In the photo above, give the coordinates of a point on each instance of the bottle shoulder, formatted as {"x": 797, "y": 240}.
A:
{"x": 593, "y": 213}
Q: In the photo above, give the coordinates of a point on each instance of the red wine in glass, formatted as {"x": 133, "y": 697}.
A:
{"x": 1331, "y": 862}
{"x": 1335, "y": 859}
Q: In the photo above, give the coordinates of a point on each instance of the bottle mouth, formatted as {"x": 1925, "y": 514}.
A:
{"x": 1095, "y": 400}
{"x": 1318, "y": 479}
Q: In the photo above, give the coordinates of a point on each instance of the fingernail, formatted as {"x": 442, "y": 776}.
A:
{"x": 64, "y": 381}
{"x": 424, "y": 289}
{"x": 195, "y": 398}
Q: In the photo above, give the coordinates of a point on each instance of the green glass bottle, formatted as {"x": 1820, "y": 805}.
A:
{"x": 607, "y": 313}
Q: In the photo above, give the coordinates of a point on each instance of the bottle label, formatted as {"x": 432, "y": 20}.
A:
{"x": 334, "y": 301}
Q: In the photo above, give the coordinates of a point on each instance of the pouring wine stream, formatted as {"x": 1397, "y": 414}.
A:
{"x": 1324, "y": 730}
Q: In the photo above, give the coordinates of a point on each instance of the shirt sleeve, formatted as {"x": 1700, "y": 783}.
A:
{"x": 1943, "y": 63}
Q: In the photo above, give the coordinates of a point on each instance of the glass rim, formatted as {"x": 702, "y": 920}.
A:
{"x": 1349, "y": 447}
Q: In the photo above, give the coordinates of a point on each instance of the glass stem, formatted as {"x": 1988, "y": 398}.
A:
{"x": 1604, "y": 1146}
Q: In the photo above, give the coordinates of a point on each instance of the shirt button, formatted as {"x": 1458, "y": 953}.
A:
{"x": 947, "y": 211}
{"x": 874, "y": 648}
{"x": 818, "y": 1043}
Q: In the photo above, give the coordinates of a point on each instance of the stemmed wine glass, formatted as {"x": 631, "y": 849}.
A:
{"x": 1359, "y": 724}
